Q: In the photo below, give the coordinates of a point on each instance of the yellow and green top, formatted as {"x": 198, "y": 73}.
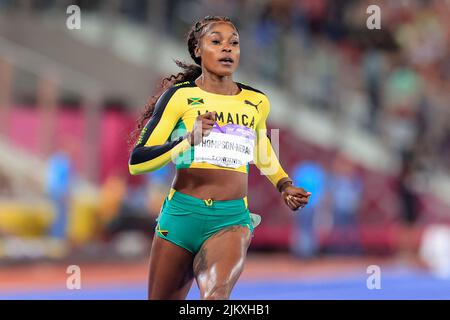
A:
{"x": 162, "y": 139}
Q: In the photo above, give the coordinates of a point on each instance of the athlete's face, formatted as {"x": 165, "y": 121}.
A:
{"x": 219, "y": 48}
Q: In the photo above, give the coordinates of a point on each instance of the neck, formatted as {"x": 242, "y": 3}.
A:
{"x": 217, "y": 84}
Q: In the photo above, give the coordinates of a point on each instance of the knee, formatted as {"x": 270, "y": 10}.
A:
{"x": 217, "y": 292}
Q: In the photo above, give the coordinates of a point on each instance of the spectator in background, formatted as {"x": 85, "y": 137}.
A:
{"x": 132, "y": 215}
{"x": 59, "y": 178}
{"x": 403, "y": 96}
{"x": 274, "y": 22}
{"x": 6, "y": 189}
{"x": 135, "y": 208}
{"x": 409, "y": 204}
{"x": 373, "y": 71}
{"x": 345, "y": 191}
{"x": 112, "y": 195}
{"x": 311, "y": 176}
{"x": 444, "y": 147}
{"x": 409, "y": 207}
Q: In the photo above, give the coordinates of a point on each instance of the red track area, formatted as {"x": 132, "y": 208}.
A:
{"x": 258, "y": 266}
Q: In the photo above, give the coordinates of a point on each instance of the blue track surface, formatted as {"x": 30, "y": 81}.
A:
{"x": 394, "y": 285}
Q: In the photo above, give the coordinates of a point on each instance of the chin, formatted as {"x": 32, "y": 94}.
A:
{"x": 224, "y": 73}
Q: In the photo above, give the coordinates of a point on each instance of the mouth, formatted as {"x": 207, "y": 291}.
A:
{"x": 226, "y": 61}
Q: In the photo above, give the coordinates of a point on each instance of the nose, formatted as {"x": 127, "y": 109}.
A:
{"x": 226, "y": 48}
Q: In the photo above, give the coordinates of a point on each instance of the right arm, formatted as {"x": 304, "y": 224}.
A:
{"x": 153, "y": 150}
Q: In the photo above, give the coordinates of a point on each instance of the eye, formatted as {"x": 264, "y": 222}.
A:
{"x": 215, "y": 41}
{"x": 235, "y": 43}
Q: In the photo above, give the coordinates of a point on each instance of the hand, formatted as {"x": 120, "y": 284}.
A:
{"x": 295, "y": 197}
{"x": 202, "y": 127}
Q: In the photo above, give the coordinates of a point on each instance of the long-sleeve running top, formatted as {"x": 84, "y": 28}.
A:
{"x": 162, "y": 139}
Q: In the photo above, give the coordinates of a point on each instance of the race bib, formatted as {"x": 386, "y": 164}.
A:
{"x": 228, "y": 146}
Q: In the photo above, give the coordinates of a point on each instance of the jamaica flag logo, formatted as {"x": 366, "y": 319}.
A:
{"x": 163, "y": 232}
{"x": 195, "y": 101}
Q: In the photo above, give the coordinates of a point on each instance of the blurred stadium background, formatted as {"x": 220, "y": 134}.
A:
{"x": 364, "y": 119}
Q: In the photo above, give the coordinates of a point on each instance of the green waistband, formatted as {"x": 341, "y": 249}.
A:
{"x": 185, "y": 199}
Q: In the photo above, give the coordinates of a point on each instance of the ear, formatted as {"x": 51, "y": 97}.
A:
{"x": 198, "y": 51}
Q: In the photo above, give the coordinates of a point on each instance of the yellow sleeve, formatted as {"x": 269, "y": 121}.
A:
{"x": 153, "y": 150}
{"x": 265, "y": 157}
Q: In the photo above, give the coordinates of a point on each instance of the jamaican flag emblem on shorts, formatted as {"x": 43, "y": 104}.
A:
{"x": 163, "y": 232}
{"x": 195, "y": 101}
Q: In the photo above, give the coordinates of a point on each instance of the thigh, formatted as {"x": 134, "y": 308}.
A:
{"x": 220, "y": 261}
{"x": 171, "y": 273}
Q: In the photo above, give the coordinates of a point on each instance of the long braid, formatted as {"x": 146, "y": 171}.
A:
{"x": 191, "y": 71}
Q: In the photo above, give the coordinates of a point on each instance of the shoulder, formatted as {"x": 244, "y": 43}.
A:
{"x": 257, "y": 96}
{"x": 253, "y": 92}
{"x": 175, "y": 89}
{"x": 249, "y": 88}
{"x": 172, "y": 94}
{"x": 186, "y": 84}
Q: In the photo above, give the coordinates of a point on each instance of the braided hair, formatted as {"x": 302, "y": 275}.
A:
{"x": 191, "y": 71}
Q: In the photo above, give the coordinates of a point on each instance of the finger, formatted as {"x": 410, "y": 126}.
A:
{"x": 208, "y": 121}
{"x": 291, "y": 204}
{"x": 197, "y": 139}
{"x": 198, "y": 122}
{"x": 210, "y": 115}
{"x": 207, "y": 115}
{"x": 294, "y": 207}
{"x": 206, "y": 127}
{"x": 299, "y": 202}
{"x": 301, "y": 192}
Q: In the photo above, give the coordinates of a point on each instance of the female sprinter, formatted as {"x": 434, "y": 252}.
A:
{"x": 211, "y": 128}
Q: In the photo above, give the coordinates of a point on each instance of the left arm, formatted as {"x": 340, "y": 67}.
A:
{"x": 267, "y": 162}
